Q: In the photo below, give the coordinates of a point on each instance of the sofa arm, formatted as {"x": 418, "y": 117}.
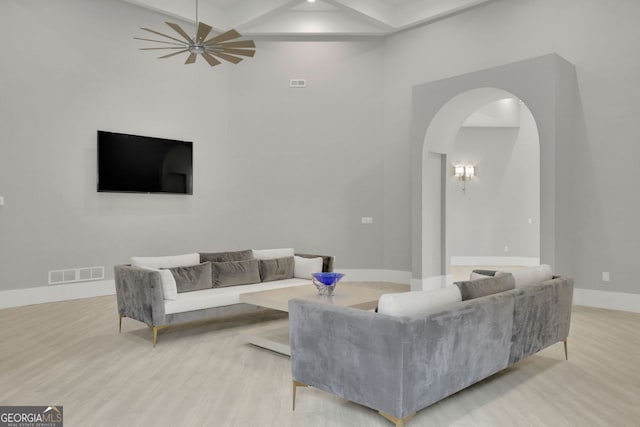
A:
{"x": 327, "y": 261}
{"x": 332, "y": 349}
{"x": 542, "y": 316}
{"x": 139, "y": 294}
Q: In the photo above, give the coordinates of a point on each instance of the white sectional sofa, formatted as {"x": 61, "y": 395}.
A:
{"x": 161, "y": 291}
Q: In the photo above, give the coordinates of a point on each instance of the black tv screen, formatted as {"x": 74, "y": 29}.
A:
{"x": 142, "y": 164}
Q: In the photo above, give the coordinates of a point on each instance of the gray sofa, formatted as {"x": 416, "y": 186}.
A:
{"x": 140, "y": 296}
{"x": 400, "y": 365}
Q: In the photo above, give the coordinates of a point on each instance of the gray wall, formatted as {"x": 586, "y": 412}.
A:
{"x": 274, "y": 166}
{"x": 502, "y": 197}
{"x": 355, "y": 115}
{"x": 85, "y": 73}
{"x": 308, "y": 163}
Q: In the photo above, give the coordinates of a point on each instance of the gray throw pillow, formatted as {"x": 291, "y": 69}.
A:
{"x": 470, "y": 289}
{"x": 226, "y": 256}
{"x": 235, "y": 273}
{"x": 192, "y": 278}
{"x": 485, "y": 272}
{"x": 276, "y": 269}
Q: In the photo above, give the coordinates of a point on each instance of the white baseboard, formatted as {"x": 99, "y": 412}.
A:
{"x": 611, "y": 300}
{"x": 495, "y": 260}
{"x": 44, "y": 294}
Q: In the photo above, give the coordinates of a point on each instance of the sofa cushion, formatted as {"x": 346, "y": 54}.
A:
{"x": 276, "y": 269}
{"x": 418, "y": 303}
{"x": 235, "y": 273}
{"x": 166, "y": 261}
{"x": 226, "y": 256}
{"x": 532, "y": 275}
{"x": 192, "y": 278}
{"x": 219, "y": 297}
{"x": 169, "y": 287}
{"x": 273, "y": 253}
{"x": 304, "y": 267}
{"x": 470, "y": 289}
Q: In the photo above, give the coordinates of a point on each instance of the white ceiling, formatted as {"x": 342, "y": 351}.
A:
{"x": 301, "y": 18}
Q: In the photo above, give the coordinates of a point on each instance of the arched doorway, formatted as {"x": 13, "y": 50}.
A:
{"x": 493, "y": 217}
{"x": 547, "y": 85}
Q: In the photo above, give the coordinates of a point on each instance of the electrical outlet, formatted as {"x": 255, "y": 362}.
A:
{"x": 530, "y": 220}
{"x": 366, "y": 220}
{"x": 605, "y": 276}
{"x": 506, "y": 248}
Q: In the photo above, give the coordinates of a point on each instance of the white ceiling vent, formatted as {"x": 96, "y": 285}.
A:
{"x": 297, "y": 83}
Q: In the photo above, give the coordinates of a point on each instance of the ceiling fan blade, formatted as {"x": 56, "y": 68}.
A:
{"x": 160, "y": 41}
{"x": 191, "y": 58}
{"x": 238, "y": 44}
{"x": 163, "y": 35}
{"x": 226, "y": 57}
{"x": 180, "y": 31}
{"x": 173, "y": 54}
{"x": 210, "y": 59}
{"x": 227, "y": 35}
{"x": 156, "y": 48}
{"x": 203, "y": 31}
{"x": 242, "y": 52}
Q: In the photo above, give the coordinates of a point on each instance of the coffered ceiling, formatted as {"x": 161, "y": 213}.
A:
{"x": 304, "y": 18}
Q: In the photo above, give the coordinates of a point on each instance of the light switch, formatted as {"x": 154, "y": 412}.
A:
{"x": 1, "y": 201}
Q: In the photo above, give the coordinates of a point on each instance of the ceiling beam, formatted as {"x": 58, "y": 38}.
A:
{"x": 251, "y": 12}
{"x": 261, "y": 16}
{"x": 186, "y": 11}
{"x": 417, "y": 13}
{"x": 374, "y": 11}
{"x": 332, "y": 23}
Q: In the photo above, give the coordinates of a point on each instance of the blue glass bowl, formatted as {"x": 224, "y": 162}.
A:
{"x": 325, "y": 282}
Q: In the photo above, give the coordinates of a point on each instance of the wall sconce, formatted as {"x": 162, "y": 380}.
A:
{"x": 464, "y": 173}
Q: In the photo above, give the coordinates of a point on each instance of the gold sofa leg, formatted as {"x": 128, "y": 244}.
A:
{"x": 566, "y": 353}
{"x": 296, "y": 384}
{"x": 155, "y": 330}
{"x": 399, "y": 422}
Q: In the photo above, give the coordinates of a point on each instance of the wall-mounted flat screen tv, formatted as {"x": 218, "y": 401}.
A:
{"x": 142, "y": 164}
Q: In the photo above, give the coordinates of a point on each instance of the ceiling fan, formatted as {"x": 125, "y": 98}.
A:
{"x": 223, "y": 46}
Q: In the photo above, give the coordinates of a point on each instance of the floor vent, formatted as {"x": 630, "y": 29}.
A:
{"x": 71, "y": 275}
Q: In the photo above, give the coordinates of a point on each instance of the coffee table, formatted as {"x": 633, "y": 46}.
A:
{"x": 362, "y": 295}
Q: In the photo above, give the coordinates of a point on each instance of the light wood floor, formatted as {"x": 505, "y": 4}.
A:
{"x": 70, "y": 353}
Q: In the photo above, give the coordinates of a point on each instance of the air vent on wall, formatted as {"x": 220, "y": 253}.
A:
{"x": 71, "y": 275}
{"x": 297, "y": 83}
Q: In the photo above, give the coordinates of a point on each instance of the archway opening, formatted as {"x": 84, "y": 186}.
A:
{"x": 493, "y": 206}
{"x": 502, "y": 209}
{"x": 548, "y": 86}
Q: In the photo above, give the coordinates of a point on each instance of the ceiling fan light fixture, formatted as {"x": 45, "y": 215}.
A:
{"x": 224, "y": 45}
{"x": 196, "y": 48}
